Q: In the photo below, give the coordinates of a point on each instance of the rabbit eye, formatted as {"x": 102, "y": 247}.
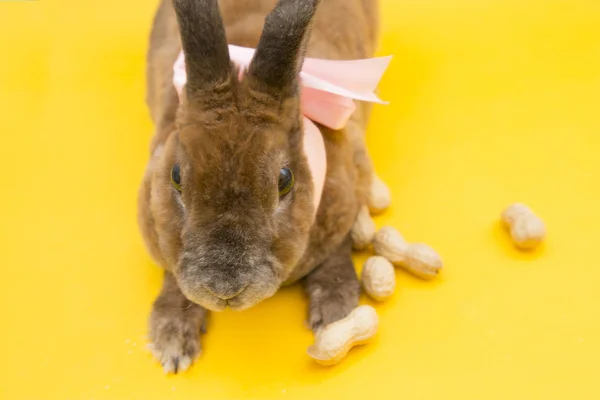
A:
{"x": 176, "y": 177}
{"x": 286, "y": 181}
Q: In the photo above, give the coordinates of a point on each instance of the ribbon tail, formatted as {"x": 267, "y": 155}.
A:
{"x": 326, "y": 86}
{"x": 361, "y": 76}
{"x": 314, "y": 149}
{"x": 326, "y": 108}
{"x": 179, "y": 73}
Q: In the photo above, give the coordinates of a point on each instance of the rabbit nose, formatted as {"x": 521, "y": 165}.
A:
{"x": 225, "y": 293}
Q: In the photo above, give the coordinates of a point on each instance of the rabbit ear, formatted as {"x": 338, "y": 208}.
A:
{"x": 280, "y": 53}
{"x": 203, "y": 41}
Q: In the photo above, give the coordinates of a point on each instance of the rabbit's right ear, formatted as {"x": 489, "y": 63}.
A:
{"x": 280, "y": 53}
{"x": 204, "y": 43}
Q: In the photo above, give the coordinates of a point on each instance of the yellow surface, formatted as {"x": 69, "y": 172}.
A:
{"x": 492, "y": 101}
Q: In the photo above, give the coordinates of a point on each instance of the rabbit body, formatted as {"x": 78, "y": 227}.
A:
{"x": 221, "y": 231}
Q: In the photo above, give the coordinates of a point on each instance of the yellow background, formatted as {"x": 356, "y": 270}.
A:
{"x": 491, "y": 102}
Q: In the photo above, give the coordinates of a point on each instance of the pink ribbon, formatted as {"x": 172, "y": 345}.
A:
{"x": 329, "y": 88}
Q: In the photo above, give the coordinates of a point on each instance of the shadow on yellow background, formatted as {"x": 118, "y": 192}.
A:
{"x": 491, "y": 102}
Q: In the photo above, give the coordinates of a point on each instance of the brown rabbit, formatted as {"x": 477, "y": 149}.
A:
{"x": 226, "y": 206}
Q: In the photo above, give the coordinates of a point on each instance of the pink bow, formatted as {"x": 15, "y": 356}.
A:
{"x": 329, "y": 88}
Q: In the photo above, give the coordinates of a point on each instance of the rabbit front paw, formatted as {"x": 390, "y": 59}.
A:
{"x": 175, "y": 339}
{"x": 175, "y": 327}
{"x": 332, "y": 288}
{"x": 330, "y": 308}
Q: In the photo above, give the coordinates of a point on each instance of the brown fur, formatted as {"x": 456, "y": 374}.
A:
{"x": 228, "y": 239}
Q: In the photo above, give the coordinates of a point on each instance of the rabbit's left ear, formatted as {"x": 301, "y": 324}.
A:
{"x": 204, "y": 43}
{"x": 280, "y": 53}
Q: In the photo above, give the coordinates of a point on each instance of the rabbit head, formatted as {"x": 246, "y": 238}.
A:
{"x": 232, "y": 191}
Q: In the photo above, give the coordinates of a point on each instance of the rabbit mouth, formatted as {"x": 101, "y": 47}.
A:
{"x": 212, "y": 303}
{"x": 235, "y": 304}
{"x": 243, "y": 299}
{"x": 232, "y": 301}
{"x": 218, "y": 305}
